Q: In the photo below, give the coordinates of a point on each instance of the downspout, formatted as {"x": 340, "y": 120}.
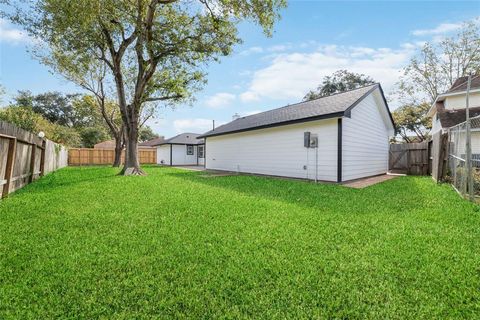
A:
{"x": 339, "y": 150}
{"x": 205, "y": 153}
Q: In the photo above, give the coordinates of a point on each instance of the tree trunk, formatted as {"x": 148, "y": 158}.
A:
{"x": 118, "y": 150}
{"x": 132, "y": 164}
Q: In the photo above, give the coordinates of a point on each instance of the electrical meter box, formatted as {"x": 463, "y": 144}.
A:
{"x": 313, "y": 141}
{"x": 310, "y": 140}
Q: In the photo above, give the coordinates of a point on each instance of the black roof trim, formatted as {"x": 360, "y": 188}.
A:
{"x": 279, "y": 124}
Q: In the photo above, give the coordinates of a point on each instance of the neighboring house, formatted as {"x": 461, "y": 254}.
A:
{"x": 352, "y": 128}
{"x": 110, "y": 144}
{"x": 152, "y": 143}
{"x": 449, "y": 110}
{"x": 183, "y": 149}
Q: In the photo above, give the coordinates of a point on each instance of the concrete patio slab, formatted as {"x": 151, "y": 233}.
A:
{"x": 370, "y": 181}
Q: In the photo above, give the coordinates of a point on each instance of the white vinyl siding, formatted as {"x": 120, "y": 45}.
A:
{"x": 180, "y": 157}
{"x": 436, "y": 125}
{"x": 163, "y": 154}
{"x": 365, "y": 140}
{"x": 277, "y": 151}
{"x": 460, "y": 102}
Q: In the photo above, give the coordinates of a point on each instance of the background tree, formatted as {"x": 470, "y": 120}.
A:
{"x": 155, "y": 50}
{"x": 27, "y": 119}
{"x": 54, "y": 106}
{"x": 438, "y": 64}
{"x": 412, "y": 121}
{"x": 339, "y": 81}
{"x": 74, "y": 111}
{"x": 146, "y": 133}
{"x": 432, "y": 72}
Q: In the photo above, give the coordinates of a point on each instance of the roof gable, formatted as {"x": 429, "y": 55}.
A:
{"x": 184, "y": 138}
{"x": 461, "y": 84}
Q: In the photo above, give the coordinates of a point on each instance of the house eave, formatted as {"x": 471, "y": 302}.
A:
{"x": 278, "y": 124}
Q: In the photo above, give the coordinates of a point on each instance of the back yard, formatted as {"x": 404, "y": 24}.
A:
{"x": 85, "y": 243}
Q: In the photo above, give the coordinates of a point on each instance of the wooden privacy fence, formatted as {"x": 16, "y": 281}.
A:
{"x": 424, "y": 158}
{"x": 409, "y": 158}
{"x": 89, "y": 156}
{"x": 439, "y": 155}
{"x": 24, "y": 157}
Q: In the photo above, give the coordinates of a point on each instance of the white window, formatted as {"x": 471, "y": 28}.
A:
{"x": 189, "y": 150}
{"x": 201, "y": 151}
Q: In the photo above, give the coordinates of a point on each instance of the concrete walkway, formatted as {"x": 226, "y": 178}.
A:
{"x": 366, "y": 182}
{"x": 193, "y": 168}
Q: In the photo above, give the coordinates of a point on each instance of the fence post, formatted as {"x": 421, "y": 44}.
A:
{"x": 468, "y": 143}
{"x": 12, "y": 144}
{"x": 42, "y": 158}
{"x": 32, "y": 163}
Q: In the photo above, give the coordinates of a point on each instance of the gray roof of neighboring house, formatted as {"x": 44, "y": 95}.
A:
{"x": 461, "y": 84}
{"x": 336, "y": 105}
{"x": 183, "y": 138}
{"x": 450, "y": 118}
{"x": 153, "y": 142}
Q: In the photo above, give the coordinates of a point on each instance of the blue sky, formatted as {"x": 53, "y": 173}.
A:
{"x": 313, "y": 39}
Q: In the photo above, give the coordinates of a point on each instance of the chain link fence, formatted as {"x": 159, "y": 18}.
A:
{"x": 466, "y": 181}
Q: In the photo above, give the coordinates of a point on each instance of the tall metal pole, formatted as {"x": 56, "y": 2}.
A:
{"x": 468, "y": 144}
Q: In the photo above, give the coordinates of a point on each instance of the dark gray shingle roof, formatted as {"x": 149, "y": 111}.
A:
{"x": 184, "y": 138}
{"x": 153, "y": 142}
{"x": 327, "y": 107}
{"x": 462, "y": 82}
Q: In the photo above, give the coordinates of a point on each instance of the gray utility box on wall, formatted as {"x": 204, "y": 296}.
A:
{"x": 310, "y": 140}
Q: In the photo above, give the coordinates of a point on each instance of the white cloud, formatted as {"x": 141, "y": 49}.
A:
{"x": 193, "y": 125}
{"x": 220, "y": 100}
{"x": 249, "y": 96}
{"x": 251, "y": 50}
{"x": 290, "y": 76}
{"x": 440, "y": 29}
{"x": 10, "y": 34}
{"x": 280, "y": 47}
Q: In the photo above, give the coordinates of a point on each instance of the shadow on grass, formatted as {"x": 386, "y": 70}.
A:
{"x": 398, "y": 195}
{"x": 69, "y": 176}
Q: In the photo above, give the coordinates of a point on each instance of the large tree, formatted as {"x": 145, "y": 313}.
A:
{"x": 90, "y": 73}
{"x": 432, "y": 71}
{"x": 339, "y": 81}
{"x": 156, "y": 50}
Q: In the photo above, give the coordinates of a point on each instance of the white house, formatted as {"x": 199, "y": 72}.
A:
{"x": 351, "y": 131}
{"x": 183, "y": 149}
{"x": 449, "y": 108}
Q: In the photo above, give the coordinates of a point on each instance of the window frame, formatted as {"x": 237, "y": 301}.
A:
{"x": 192, "y": 152}
{"x": 202, "y": 154}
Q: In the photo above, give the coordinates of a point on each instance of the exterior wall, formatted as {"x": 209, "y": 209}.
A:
{"x": 365, "y": 141}
{"x": 459, "y": 102}
{"x": 475, "y": 142}
{"x": 277, "y": 151}
{"x": 201, "y": 161}
{"x": 436, "y": 125}
{"x": 180, "y": 157}
{"x": 163, "y": 154}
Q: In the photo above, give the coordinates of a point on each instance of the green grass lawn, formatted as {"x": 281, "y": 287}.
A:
{"x": 85, "y": 243}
